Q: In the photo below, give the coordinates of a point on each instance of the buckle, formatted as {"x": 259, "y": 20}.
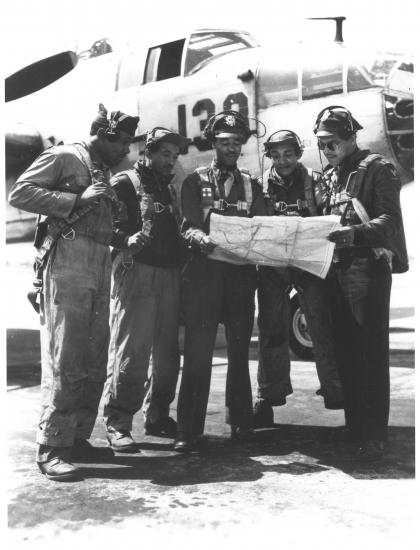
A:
{"x": 128, "y": 264}
{"x": 281, "y": 206}
{"x": 70, "y": 235}
{"x": 37, "y": 284}
{"x": 159, "y": 207}
{"x": 220, "y": 204}
{"x": 242, "y": 205}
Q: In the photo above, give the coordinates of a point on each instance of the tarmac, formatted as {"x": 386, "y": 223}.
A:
{"x": 290, "y": 487}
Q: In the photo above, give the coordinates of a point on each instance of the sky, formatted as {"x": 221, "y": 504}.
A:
{"x": 36, "y": 28}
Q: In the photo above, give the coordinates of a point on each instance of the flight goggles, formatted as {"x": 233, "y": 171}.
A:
{"x": 329, "y": 145}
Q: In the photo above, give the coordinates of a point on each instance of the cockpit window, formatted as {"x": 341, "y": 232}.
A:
{"x": 203, "y": 47}
{"x": 322, "y": 80}
{"x": 276, "y": 86}
{"x": 164, "y": 61}
{"x": 358, "y": 79}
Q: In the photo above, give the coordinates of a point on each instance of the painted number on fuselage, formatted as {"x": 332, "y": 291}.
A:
{"x": 237, "y": 101}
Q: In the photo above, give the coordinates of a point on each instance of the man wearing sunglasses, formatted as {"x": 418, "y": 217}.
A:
{"x": 363, "y": 189}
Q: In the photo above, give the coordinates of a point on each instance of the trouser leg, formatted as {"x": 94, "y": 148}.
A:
{"x": 70, "y": 286}
{"x": 238, "y": 314}
{"x": 353, "y": 289}
{"x": 345, "y": 336}
{"x": 315, "y": 302}
{"x": 376, "y": 394}
{"x": 165, "y": 364}
{"x": 133, "y": 309}
{"x": 273, "y": 343}
{"x": 97, "y": 355}
{"x": 203, "y": 295}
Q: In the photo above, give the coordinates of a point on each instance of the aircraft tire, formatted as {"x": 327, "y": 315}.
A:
{"x": 299, "y": 340}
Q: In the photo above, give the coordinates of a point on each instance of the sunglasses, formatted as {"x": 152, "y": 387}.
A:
{"x": 330, "y": 145}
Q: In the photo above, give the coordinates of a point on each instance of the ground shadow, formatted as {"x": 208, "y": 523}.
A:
{"x": 287, "y": 449}
{"x": 157, "y": 470}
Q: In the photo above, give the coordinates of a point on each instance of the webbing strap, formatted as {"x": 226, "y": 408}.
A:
{"x": 207, "y": 190}
{"x": 59, "y": 228}
{"x": 357, "y": 178}
{"x": 134, "y": 178}
{"x": 378, "y": 252}
{"x": 311, "y": 191}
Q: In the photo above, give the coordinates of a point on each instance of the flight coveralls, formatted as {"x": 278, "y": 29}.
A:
{"x": 360, "y": 280}
{"x": 299, "y": 195}
{"x": 214, "y": 292}
{"x": 74, "y": 310}
{"x": 145, "y": 302}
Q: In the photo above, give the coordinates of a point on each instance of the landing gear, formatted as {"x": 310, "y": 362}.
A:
{"x": 299, "y": 339}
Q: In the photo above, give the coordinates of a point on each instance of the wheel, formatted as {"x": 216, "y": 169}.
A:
{"x": 299, "y": 340}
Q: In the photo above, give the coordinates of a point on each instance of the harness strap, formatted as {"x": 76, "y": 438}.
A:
{"x": 312, "y": 191}
{"x": 207, "y": 190}
{"x": 311, "y": 188}
{"x": 60, "y": 228}
{"x": 265, "y": 181}
{"x": 210, "y": 198}
{"x": 135, "y": 180}
{"x": 379, "y": 252}
{"x": 356, "y": 179}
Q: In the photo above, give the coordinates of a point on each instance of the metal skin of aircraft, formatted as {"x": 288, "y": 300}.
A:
{"x": 179, "y": 83}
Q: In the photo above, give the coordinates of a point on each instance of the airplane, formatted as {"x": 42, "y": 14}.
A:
{"x": 179, "y": 81}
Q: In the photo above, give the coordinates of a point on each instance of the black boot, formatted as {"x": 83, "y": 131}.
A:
{"x": 263, "y": 414}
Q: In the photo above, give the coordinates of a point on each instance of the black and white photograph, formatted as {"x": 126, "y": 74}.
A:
{"x": 209, "y": 274}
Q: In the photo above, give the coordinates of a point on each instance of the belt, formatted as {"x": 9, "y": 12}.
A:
{"x": 282, "y": 206}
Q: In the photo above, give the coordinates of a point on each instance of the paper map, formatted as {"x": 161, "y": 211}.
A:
{"x": 278, "y": 241}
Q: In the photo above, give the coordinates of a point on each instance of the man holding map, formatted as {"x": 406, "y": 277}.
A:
{"x": 291, "y": 189}
{"x": 217, "y": 291}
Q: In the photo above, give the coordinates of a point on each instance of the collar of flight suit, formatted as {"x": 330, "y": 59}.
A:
{"x": 285, "y": 183}
{"x": 151, "y": 176}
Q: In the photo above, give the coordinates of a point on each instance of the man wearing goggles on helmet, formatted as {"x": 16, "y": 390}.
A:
{"x": 363, "y": 189}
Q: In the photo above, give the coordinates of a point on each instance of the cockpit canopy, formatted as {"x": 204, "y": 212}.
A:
{"x": 206, "y": 46}
{"x": 282, "y": 78}
{"x": 173, "y": 59}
